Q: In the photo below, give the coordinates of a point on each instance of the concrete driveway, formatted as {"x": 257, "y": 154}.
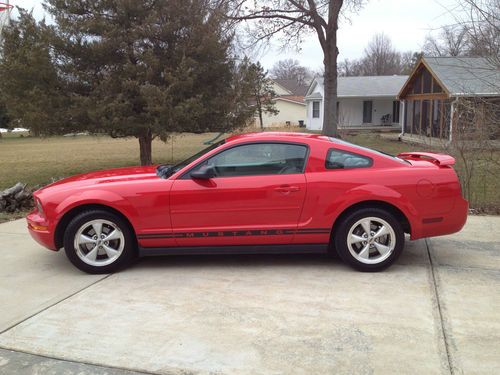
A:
{"x": 437, "y": 311}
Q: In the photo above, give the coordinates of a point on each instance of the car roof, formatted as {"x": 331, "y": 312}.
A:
{"x": 296, "y": 136}
{"x": 277, "y": 136}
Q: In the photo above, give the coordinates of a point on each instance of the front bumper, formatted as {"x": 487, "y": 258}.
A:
{"x": 41, "y": 230}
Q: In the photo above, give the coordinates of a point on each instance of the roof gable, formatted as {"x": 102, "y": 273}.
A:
{"x": 460, "y": 76}
{"x": 292, "y": 86}
{"x": 422, "y": 81}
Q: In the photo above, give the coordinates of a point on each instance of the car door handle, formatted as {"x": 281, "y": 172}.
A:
{"x": 287, "y": 189}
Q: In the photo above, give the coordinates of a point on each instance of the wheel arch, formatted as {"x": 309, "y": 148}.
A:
{"x": 72, "y": 213}
{"x": 394, "y": 210}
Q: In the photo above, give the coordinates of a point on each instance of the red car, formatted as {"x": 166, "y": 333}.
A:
{"x": 254, "y": 193}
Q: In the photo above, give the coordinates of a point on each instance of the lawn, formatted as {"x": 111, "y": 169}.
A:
{"x": 36, "y": 161}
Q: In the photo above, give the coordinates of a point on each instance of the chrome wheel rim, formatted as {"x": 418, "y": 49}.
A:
{"x": 371, "y": 240}
{"x": 99, "y": 242}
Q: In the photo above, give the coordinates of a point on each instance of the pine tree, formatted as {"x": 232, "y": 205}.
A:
{"x": 145, "y": 68}
{"x": 262, "y": 91}
{"x": 31, "y": 89}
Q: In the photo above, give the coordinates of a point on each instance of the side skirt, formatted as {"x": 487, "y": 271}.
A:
{"x": 314, "y": 248}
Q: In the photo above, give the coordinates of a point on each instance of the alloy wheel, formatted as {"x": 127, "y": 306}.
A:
{"x": 99, "y": 242}
{"x": 371, "y": 240}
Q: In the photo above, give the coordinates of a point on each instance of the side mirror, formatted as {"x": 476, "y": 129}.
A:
{"x": 205, "y": 172}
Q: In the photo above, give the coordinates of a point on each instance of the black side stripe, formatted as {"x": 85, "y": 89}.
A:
{"x": 239, "y": 233}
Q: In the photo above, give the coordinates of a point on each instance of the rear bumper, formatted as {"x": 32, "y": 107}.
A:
{"x": 441, "y": 225}
{"x": 41, "y": 230}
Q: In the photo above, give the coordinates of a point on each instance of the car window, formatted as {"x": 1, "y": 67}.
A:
{"x": 339, "y": 159}
{"x": 259, "y": 159}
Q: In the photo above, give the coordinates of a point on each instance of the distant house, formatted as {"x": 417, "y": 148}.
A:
{"x": 434, "y": 95}
{"x": 367, "y": 101}
{"x": 289, "y": 102}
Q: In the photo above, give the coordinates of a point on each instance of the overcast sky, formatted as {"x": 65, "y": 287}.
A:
{"x": 406, "y": 22}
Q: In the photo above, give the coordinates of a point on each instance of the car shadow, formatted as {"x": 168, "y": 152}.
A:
{"x": 232, "y": 260}
{"x": 414, "y": 254}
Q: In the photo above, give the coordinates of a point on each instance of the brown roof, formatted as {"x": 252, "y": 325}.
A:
{"x": 293, "y": 86}
{"x": 292, "y": 98}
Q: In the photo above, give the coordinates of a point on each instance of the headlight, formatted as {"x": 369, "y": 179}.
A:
{"x": 39, "y": 207}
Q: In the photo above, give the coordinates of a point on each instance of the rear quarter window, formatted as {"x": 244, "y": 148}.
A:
{"x": 340, "y": 159}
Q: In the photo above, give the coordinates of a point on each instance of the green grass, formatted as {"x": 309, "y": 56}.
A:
{"x": 36, "y": 161}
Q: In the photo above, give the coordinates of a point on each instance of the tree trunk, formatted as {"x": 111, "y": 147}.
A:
{"x": 331, "y": 52}
{"x": 260, "y": 119}
{"x": 145, "y": 146}
{"x": 259, "y": 110}
{"x": 330, "y": 79}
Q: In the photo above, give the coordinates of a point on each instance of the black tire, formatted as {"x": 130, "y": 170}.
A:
{"x": 122, "y": 260}
{"x": 342, "y": 235}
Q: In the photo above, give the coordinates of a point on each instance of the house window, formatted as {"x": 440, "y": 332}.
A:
{"x": 395, "y": 111}
{"x": 367, "y": 111}
{"x": 315, "y": 109}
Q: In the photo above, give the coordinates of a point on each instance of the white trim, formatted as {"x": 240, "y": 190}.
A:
{"x": 288, "y": 100}
{"x": 313, "y": 84}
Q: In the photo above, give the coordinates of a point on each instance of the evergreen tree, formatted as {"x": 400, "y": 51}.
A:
{"x": 261, "y": 89}
{"x": 146, "y": 68}
{"x": 31, "y": 89}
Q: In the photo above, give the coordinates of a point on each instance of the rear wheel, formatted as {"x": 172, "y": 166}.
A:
{"x": 369, "y": 240}
{"x": 98, "y": 242}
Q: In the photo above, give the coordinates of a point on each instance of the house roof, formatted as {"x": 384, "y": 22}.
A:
{"x": 291, "y": 85}
{"x": 465, "y": 76}
{"x": 364, "y": 86}
{"x": 291, "y": 98}
{"x": 315, "y": 95}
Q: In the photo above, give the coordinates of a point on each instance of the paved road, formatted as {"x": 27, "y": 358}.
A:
{"x": 435, "y": 312}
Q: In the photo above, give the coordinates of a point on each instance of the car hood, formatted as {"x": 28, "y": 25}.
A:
{"x": 104, "y": 177}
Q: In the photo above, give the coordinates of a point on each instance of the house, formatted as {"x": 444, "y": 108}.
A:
{"x": 363, "y": 102}
{"x": 289, "y": 101}
{"x": 443, "y": 94}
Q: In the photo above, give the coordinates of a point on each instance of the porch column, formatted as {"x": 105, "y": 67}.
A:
{"x": 452, "y": 116}
{"x": 403, "y": 118}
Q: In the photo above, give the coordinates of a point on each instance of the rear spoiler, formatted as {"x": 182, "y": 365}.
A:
{"x": 441, "y": 160}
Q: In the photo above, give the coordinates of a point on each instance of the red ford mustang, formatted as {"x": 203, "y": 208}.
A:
{"x": 260, "y": 192}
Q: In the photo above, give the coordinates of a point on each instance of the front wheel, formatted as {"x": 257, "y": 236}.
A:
{"x": 369, "y": 239}
{"x": 98, "y": 242}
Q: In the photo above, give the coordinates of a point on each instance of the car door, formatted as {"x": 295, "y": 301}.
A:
{"x": 255, "y": 197}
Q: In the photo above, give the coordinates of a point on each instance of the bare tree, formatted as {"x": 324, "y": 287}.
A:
{"x": 451, "y": 41}
{"x": 291, "y": 69}
{"x": 292, "y": 19}
{"x": 350, "y": 68}
{"x": 379, "y": 58}
{"x": 482, "y": 22}
{"x": 476, "y": 32}
{"x": 409, "y": 60}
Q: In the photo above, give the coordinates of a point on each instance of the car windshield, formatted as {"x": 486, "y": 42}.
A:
{"x": 165, "y": 171}
{"x": 336, "y": 140}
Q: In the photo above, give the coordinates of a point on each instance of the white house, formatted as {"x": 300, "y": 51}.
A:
{"x": 290, "y": 104}
{"x": 362, "y": 101}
